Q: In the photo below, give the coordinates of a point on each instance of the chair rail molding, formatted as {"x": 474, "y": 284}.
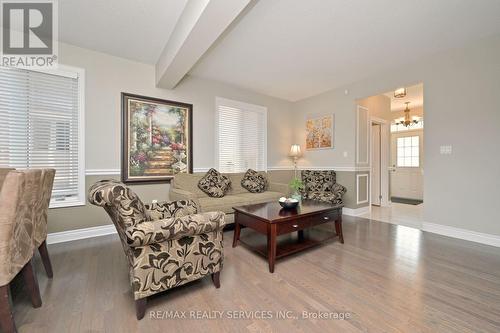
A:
{"x": 99, "y": 172}
{"x": 334, "y": 168}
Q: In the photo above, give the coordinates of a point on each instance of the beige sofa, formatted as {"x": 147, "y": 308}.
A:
{"x": 185, "y": 186}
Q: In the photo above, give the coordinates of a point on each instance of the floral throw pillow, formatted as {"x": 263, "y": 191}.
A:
{"x": 214, "y": 184}
{"x": 254, "y": 182}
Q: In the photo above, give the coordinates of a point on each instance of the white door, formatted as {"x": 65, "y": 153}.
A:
{"x": 407, "y": 164}
{"x": 375, "y": 164}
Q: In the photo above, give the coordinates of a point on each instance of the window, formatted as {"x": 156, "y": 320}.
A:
{"x": 408, "y": 151}
{"x": 241, "y": 136}
{"x": 41, "y": 126}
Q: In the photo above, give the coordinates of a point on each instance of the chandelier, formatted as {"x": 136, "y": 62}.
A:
{"x": 407, "y": 121}
{"x": 400, "y": 93}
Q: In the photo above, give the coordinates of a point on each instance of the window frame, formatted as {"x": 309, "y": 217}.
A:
{"x": 79, "y": 74}
{"x": 221, "y": 101}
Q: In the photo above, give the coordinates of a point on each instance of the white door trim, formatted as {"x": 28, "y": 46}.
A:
{"x": 384, "y": 158}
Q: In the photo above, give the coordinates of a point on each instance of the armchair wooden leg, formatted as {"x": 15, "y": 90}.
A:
{"x": 216, "y": 279}
{"x": 45, "y": 259}
{"x": 31, "y": 283}
{"x": 6, "y": 318}
{"x": 140, "y": 307}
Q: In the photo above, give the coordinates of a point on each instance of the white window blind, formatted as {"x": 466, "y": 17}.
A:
{"x": 241, "y": 136}
{"x": 41, "y": 122}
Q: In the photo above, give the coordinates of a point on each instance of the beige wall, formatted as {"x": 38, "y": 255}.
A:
{"x": 460, "y": 86}
{"x": 461, "y": 109}
{"x": 106, "y": 77}
{"x": 378, "y": 106}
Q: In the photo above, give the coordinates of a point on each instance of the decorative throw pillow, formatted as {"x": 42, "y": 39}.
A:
{"x": 318, "y": 181}
{"x": 254, "y": 182}
{"x": 214, "y": 184}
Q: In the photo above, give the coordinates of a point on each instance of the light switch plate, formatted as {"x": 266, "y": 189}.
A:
{"x": 445, "y": 150}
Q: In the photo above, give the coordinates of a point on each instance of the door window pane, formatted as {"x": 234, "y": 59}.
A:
{"x": 408, "y": 151}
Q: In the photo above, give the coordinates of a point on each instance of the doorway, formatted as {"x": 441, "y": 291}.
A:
{"x": 407, "y": 184}
{"x": 396, "y": 164}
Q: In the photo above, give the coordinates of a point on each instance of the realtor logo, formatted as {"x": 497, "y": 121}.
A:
{"x": 29, "y": 33}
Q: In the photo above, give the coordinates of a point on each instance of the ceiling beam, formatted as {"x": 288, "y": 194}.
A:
{"x": 199, "y": 26}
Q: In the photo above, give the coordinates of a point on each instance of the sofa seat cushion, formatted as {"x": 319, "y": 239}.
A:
{"x": 189, "y": 182}
{"x": 225, "y": 204}
{"x": 330, "y": 197}
{"x": 254, "y": 198}
{"x": 214, "y": 184}
{"x": 254, "y": 182}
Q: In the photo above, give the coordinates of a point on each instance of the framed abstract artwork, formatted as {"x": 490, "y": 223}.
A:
{"x": 157, "y": 139}
{"x": 320, "y": 131}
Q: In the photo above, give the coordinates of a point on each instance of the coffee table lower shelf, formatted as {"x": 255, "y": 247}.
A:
{"x": 286, "y": 244}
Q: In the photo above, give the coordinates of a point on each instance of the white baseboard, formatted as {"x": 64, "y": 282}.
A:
{"x": 355, "y": 211}
{"x": 464, "y": 234}
{"x": 71, "y": 235}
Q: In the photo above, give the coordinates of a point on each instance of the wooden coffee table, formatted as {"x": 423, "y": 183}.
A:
{"x": 271, "y": 220}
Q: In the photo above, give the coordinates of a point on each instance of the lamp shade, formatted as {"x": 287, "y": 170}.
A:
{"x": 295, "y": 150}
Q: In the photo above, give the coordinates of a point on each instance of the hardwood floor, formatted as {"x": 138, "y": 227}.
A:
{"x": 386, "y": 277}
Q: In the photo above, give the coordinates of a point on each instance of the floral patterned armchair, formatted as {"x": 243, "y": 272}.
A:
{"x": 167, "y": 244}
{"x": 322, "y": 186}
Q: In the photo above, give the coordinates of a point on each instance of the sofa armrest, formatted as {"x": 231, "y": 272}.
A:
{"x": 176, "y": 194}
{"x": 151, "y": 232}
{"x": 280, "y": 187}
{"x": 166, "y": 209}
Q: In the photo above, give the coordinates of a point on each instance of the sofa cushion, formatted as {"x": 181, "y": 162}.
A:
{"x": 254, "y": 182}
{"x": 225, "y": 204}
{"x": 214, "y": 184}
{"x": 254, "y": 198}
{"x": 236, "y": 187}
{"x": 189, "y": 182}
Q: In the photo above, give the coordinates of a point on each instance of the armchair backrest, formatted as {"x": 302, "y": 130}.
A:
{"x": 18, "y": 197}
{"x": 121, "y": 203}
{"x": 3, "y": 174}
{"x": 47, "y": 183}
{"x": 318, "y": 180}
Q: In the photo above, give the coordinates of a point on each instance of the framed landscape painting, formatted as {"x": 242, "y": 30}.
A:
{"x": 156, "y": 139}
{"x": 320, "y": 132}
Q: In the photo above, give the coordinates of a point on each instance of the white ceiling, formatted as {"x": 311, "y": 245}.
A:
{"x": 132, "y": 29}
{"x": 414, "y": 95}
{"x": 294, "y": 48}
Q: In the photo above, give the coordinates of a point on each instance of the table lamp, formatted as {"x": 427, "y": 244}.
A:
{"x": 295, "y": 154}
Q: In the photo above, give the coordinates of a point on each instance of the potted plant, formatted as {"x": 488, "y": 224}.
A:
{"x": 296, "y": 185}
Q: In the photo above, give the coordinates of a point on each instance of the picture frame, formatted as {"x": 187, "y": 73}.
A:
{"x": 157, "y": 139}
{"x": 320, "y": 131}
